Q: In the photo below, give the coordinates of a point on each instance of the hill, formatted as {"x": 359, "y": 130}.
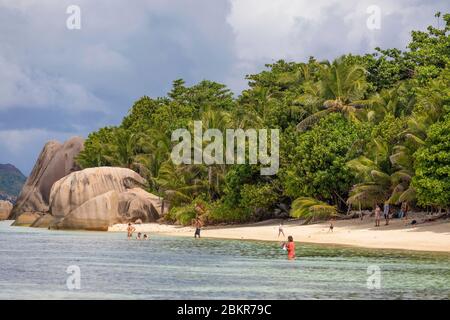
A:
{"x": 11, "y": 182}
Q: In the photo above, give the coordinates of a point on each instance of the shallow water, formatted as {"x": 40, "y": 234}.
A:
{"x": 33, "y": 264}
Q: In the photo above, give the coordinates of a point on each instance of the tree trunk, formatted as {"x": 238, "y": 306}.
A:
{"x": 210, "y": 180}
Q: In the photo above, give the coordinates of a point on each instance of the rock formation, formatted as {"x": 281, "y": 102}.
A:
{"x": 95, "y": 214}
{"x": 26, "y": 219}
{"x": 55, "y": 162}
{"x": 5, "y": 209}
{"x": 58, "y": 195}
{"x": 96, "y": 198}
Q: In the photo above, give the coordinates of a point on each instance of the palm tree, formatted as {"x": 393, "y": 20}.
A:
{"x": 180, "y": 183}
{"x": 311, "y": 209}
{"x": 397, "y": 101}
{"x": 340, "y": 89}
{"x": 156, "y": 148}
{"x": 394, "y": 184}
{"x": 254, "y": 109}
{"x": 378, "y": 185}
{"x": 215, "y": 119}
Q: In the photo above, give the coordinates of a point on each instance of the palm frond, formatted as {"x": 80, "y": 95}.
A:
{"x": 311, "y": 209}
{"x": 312, "y": 119}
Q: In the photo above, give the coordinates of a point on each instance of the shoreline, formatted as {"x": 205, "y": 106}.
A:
{"x": 431, "y": 236}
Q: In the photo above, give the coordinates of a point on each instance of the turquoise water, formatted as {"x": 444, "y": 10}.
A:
{"x": 33, "y": 265}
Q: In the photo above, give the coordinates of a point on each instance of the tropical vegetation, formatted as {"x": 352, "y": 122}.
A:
{"x": 355, "y": 131}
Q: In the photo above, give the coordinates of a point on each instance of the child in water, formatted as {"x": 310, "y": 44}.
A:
{"x": 145, "y": 236}
{"x": 138, "y": 236}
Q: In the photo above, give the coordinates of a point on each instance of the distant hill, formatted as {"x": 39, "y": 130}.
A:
{"x": 11, "y": 182}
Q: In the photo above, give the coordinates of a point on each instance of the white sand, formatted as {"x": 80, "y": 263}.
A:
{"x": 433, "y": 236}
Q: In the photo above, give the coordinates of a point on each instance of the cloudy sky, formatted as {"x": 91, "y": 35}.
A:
{"x": 56, "y": 82}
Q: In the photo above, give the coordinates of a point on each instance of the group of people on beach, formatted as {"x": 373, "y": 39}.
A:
{"x": 402, "y": 214}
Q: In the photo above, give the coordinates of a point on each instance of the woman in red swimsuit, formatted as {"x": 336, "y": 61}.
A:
{"x": 290, "y": 246}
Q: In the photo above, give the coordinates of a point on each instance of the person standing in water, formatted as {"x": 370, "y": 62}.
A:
{"x": 377, "y": 215}
{"x": 198, "y": 227}
{"x": 290, "y": 247}
{"x": 280, "y": 230}
{"x": 130, "y": 230}
{"x": 199, "y": 209}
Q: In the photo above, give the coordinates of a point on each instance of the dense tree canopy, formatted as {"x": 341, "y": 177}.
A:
{"x": 355, "y": 131}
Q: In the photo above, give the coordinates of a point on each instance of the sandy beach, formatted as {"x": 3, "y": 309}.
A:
{"x": 431, "y": 236}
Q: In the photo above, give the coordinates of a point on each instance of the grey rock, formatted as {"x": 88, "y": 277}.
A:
{"x": 55, "y": 161}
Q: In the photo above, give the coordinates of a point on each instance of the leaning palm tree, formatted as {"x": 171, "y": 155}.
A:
{"x": 341, "y": 88}
{"x": 311, "y": 209}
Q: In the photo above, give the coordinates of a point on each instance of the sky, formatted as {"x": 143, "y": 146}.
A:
{"x": 57, "y": 82}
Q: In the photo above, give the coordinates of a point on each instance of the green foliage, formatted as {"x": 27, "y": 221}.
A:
{"x": 183, "y": 215}
{"x": 223, "y": 213}
{"x": 258, "y": 196}
{"x": 340, "y": 88}
{"x": 317, "y": 168}
{"x": 236, "y": 177}
{"x": 355, "y": 130}
{"x": 96, "y": 148}
{"x": 432, "y": 167}
{"x": 430, "y": 50}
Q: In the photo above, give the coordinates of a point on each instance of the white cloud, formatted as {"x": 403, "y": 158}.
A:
{"x": 34, "y": 89}
{"x": 268, "y": 30}
{"x": 17, "y": 142}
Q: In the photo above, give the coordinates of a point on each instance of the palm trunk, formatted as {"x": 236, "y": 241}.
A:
{"x": 210, "y": 180}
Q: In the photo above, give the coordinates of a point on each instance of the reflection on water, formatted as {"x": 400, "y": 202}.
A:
{"x": 33, "y": 265}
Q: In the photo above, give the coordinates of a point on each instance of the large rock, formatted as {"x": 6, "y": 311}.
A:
{"x": 96, "y": 198}
{"x": 5, "y": 209}
{"x": 26, "y": 219}
{"x": 78, "y": 187}
{"x": 95, "y": 214}
{"x": 137, "y": 204}
{"x": 44, "y": 221}
{"x": 55, "y": 162}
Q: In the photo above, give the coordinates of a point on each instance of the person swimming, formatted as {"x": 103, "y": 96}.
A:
{"x": 138, "y": 236}
{"x": 145, "y": 236}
